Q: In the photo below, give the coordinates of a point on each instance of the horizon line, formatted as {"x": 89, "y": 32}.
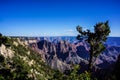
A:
{"x": 53, "y": 36}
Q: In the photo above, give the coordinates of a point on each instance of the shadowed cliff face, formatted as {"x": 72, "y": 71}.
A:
{"x": 61, "y": 53}
{"x": 108, "y": 57}
{"x": 47, "y": 47}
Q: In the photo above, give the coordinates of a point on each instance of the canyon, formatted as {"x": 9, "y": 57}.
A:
{"x": 60, "y": 54}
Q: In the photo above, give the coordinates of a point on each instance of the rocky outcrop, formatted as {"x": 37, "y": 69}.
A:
{"x": 6, "y": 52}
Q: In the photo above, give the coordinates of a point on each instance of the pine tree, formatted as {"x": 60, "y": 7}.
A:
{"x": 95, "y": 39}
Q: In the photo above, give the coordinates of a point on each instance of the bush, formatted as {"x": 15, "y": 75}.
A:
{"x": 21, "y": 50}
{"x": 1, "y": 58}
{"x": 85, "y": 76}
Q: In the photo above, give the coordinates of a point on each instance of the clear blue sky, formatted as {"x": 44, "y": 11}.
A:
{"x": 56, "y": 17}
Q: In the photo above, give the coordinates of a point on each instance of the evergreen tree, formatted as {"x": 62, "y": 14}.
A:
{"x": 95, "y": 39}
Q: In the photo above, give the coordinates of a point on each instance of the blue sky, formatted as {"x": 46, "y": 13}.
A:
{"x": 56, "y": 17}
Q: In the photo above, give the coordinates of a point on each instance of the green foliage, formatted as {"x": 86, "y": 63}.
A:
{"x": 14, "y": 69}
{"x": 57, "y": 76}
{"x": 86, "y": 76}
{"x": 95, "y": 39}
{"x": 1, "y": 58}
{"x": 21, "y": 69}
{"x": 5, "y": 74}
{"x": 34, "y": 55}
{"x": 6, "y": 41}
{"x": 21, "y": 50}
{"x": 74, "y": 73}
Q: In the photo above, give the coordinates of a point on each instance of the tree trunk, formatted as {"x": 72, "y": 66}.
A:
{"x": 90, "y": 62}
{"x": 90, "y": 65}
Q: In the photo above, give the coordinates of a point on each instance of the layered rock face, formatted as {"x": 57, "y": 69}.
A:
{"x": 62, "y": 53}
{"x": 108, "y": 57}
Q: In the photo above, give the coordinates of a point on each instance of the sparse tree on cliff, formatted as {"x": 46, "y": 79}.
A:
{"x": 95, "y": 39}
